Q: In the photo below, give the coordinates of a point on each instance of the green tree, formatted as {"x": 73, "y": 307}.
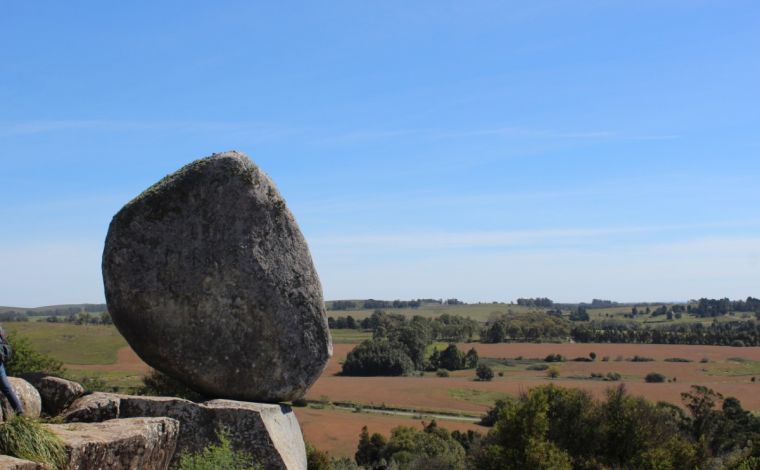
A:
{"x": 483, "y": 372}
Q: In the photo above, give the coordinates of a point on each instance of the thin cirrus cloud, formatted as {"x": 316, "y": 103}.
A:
{"x": 527, "y": 238}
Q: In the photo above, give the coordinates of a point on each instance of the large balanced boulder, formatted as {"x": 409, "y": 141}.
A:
{"x": 210, "y": 280}
{"x": 119, "y": 444}
{"x": 27, "y": 395}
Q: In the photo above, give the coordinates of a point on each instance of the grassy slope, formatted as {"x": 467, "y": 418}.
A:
{"x": 71, "y": 344}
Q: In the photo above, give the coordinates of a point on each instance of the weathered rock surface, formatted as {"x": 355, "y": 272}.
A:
{"x": 27, "y": 394}
{"x": 93, "y": 408}
{"x": 269, "y": 432}
{"x": 210, "y": 280}
{"x": 138, "y": 443}
{"x": 12, "y": 463}
{"x": 56, "y": 393}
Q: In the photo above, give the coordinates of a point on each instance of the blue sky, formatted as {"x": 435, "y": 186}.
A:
{"x": 479, "y": 150}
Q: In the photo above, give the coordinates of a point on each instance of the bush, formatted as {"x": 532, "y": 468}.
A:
{"x": 28, "y": 439}
{"x": 613, "y": 376}
{"x": 552, "y": 372}
{"x": 677, "y": 359}
{"x": 219, "y": 456}
{"x": 26, "y": 360}
{"x": 554, "y": 358}
{"x": 377, "y": 357}
{"x": 484, "y": 372}
{"x": 582, "y": 359}
{"x": 299, "y": 402}
{"x": 638, "y": 358}
{"x": 537, "y": 367}
{"x": 442, "y": 373}
{"x": 655, "y": 377}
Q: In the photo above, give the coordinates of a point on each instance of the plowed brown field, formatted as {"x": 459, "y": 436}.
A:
{"x": 337, "y": 431}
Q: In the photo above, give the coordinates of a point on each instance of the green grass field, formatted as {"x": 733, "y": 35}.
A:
{"x": 71, "y": 344}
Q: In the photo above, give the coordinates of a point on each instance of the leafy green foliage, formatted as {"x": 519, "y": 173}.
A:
{"x": 655, "y": 377}
{"x": 218, "y": 457}
{"x": 483, "y": 372}
{"x": 408, "y": 448}
{"x": 26, "y": 359}
{"x": 28, "y": 439}
{"x": 377, "y": 357}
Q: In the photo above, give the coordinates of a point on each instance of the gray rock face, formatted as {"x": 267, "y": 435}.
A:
{"x": 210, "y": 280}
{"x": 12, "y": 463}
{"x": 268, "y": 432}
{"x": 27, "y": 394}
{"x": 120, "y": 444}
{"x": 93, "y": 408}
{"x": 56, "y": 393}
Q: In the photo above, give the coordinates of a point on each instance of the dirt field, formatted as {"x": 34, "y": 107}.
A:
{"x": 461, "y": 392}
{"x": 337, "y": 431}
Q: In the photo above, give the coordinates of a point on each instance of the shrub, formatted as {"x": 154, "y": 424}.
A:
{"x": 299, "y": 402}
{"x": 537, "y": 367}
{"x": 442, "y": 373}
{"x": 655, "y": 377}
{"x": 377, "y": 357}
{"x": 218, "y": 456}
{"x": 704, "y": 360}
{"x": 28, "y": 439}
{"x": 638, "y": 358}
{"x": 582, "y": 359}
{"x": 26, "y": 360}
{"x": 606, "y": 359}
{"x": 317, "y": 459}
{"x": 554, "y": 358}
{"x": 677, "y": 359}
{"x": 552, "y": 372}
{"x": 484, "y": 372}
{"x": 612, "y": 376}
{"x": 592, "y": 355}
{"x": 159, "y": 384}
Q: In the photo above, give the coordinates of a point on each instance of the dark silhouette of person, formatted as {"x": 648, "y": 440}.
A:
{"x": 5, "y": 385}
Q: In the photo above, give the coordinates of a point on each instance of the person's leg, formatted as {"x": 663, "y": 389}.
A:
{"x": 5, "y": 387}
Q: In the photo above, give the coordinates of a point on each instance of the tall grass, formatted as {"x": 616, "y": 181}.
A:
{"x": 26, "y": 438}
{"x": 218, "y": 457}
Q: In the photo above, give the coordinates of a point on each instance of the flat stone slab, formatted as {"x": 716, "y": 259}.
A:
{"x": 119, "y": 444}
{"x": 210, "y": 280}
{"x": 270, "y": 433}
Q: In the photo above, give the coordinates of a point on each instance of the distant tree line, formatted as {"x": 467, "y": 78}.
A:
{"x": 525, "y": 327}
{"x": 372, "y": 304}
{"x": 83, "y": 318}
{"x": 716, "y": 307}
{"x": 444, "y": 328}
{"x": 729, "y": 333}
{"x": 536, "y": 302}
{"x": 561, "y": 429}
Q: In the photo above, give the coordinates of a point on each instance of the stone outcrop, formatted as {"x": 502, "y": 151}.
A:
{"x": 56, "y": 393}
{"x": 269, "y": 432}
{"x": 93, "y": 408}
{"x": 210, "y": 280}
{"x": 27, "y": 394}
{"x": 12, "y": 463}
{"x": 123, "y": 444}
